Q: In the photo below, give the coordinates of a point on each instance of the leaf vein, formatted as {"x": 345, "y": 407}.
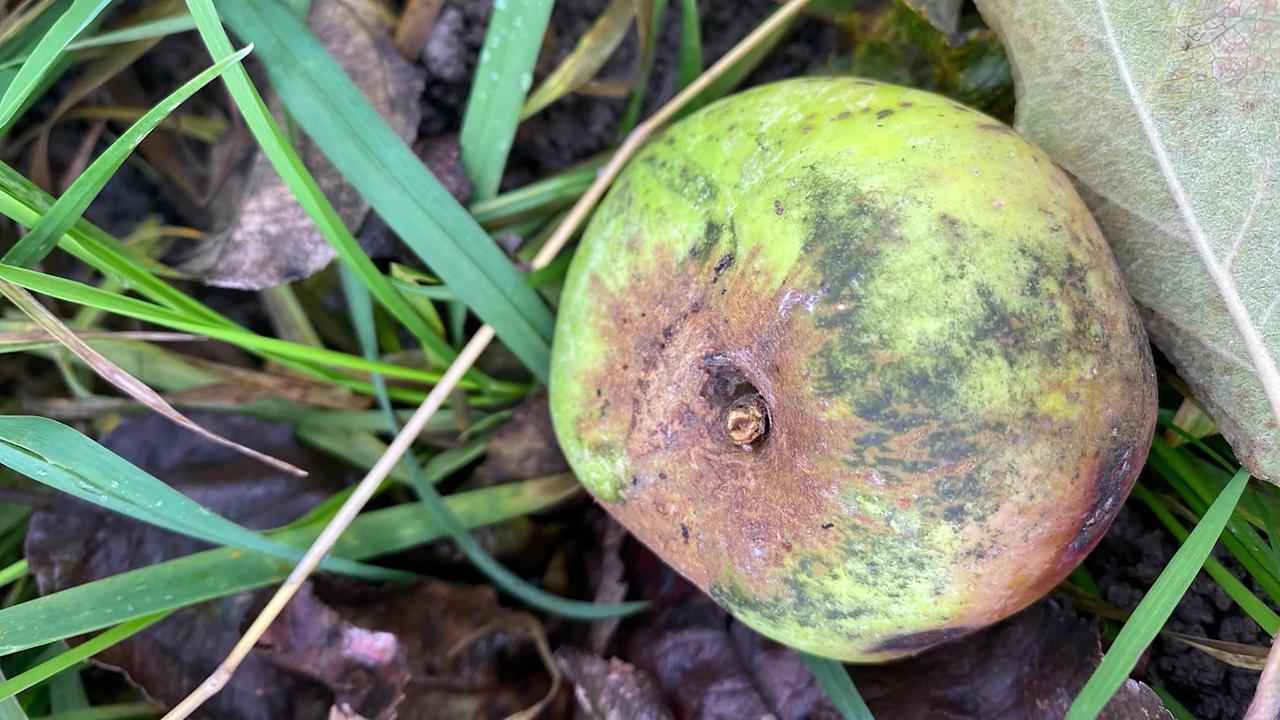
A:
{"x": 1263, "y": 362}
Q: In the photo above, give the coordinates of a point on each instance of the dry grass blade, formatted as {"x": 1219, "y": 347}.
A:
{"x": 33, "y": 337}
{"x": 440, "y": 393}
{"x": 528, "y": 626}
{"x": 591, "y": 53}
{"x": 112, "y": 373}
{"x": 416, "y": 21}
{"x": 1249, "y": 657}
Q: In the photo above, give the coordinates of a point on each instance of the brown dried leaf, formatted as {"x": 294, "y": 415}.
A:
{"x": 1029, "y": 667}
{"x": 25, "y": 338}
{"x": 243, "y": 385}
{"x": 524, "y": 446}
{"x": 1241, "y": 655}
{"x": 265, "y": 237}
{"x": 73, "y": 543}
{"x": 367, "y": 670}
{"x": 710, "y": 667}
{"x": 611, "y": 689}
{"x": 416, "y": 21}
{"x": 612, "y": 587}
{"x": 468, "y": 657}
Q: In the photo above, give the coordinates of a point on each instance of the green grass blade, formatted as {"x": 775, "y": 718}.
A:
{"x": 690, "y": 62}
{"x": 551, "y": 192}
{"x": 221, "y": 572}
{"x": 594, "y": 48}
{"x": 370, "y": 448}
{"x": 833, "y": 678}
{"x": 1193, "y": 440}
{"x": 437, "y": 510}
{"x": 1198, "y": 491}
{"x": 326, "y": 104}
{"x": 20, "y": 43}
{"x": 725, "y": 84}
{"x": 1252, "y": 605}
{"x": 502, "y": 78}
{"x": 118, "y": 711}
{"x": 26, "y": 204}
{"x": 439, "y": 513}
{"x": 1158, "y": 605}
{"x": 1270, "y": 516}
{"x": 45, "y": 55}
{"x": 10, "y": 709}
{"x": 161, "y": 27}
{"x": 294, "y": 173}
{"x": 83, "y": 651}
{"x": 13, "y": 571}
{"x": 67, "y": 209}
{"x": 1171, "y": 703}
{"x": 56, "y": 455}
{"x": 652, "y": 30}
{"x": 354, "y": 447}
{"x": 360, "y": 307}
{"x": 366, "y": 420}
{"x": 75, "y": 292}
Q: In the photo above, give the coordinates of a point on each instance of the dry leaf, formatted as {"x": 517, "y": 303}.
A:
{"x": 1241, "y": 655}
{"x": 523, "y": 447}
{"x": 267, "y": 238}
{"x": 1168, "y": 115}
{"x": 1029, "y": 667}
{"x": 367, "y": 670}
{"x": 469, "y": 658}
{"x": 72, "y": 543}
{"x": 611, "y": 689}
{"x": 942, "y": 14}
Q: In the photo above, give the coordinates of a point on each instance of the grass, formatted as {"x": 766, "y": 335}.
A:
{"x": 1193, "y": 485}
{"x": 502, "y": 78}
{"x": 1157, "y": 605}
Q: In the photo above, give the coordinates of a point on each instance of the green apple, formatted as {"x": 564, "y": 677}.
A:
{"x": 857, "y": 361}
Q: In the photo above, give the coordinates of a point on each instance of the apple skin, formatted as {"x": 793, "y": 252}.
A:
{"x": 857, "y": 361}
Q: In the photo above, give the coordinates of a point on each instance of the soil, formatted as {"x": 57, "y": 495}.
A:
{"x": 1126, "y": 563}
{"x": 579, "y": 126}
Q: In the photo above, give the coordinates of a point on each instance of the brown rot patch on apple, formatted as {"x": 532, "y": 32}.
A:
{"x": 916, "y": 641}
{"x": 1114, "y": 478}
{"x": 713, "y": 399}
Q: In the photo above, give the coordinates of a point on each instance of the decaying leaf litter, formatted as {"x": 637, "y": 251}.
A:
{"x": 562, "y": 548}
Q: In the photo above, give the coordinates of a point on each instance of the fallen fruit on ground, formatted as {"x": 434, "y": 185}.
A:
{"x": 855, "y": 360}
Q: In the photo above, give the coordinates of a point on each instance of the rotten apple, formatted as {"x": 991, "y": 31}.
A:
{"x": 856, "y": 360}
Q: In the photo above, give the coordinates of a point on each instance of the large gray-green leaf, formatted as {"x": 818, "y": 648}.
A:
{"x": 1168, "y": 114}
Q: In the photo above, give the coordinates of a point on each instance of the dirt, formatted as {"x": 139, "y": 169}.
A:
{"x": 579, "y": 126}
{"x": 1126, "y": 563}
